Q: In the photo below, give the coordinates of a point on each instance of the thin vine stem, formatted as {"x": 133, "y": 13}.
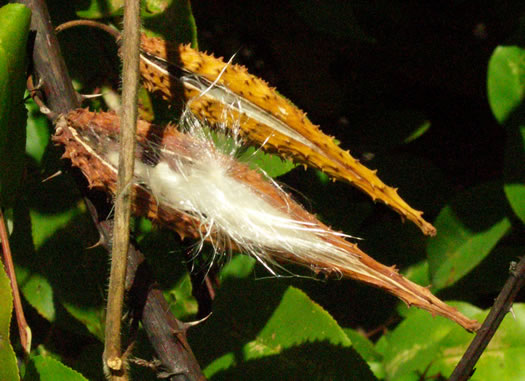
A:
{"x": 113, "y": 359}
{"x": 23, "y": 328}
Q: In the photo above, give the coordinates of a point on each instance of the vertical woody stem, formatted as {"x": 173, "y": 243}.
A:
{"x": 113, "y": 361}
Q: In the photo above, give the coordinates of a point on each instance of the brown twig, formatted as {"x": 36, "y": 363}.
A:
{"x": 167, "y": 335}
{"x": 89, "y": 23}
{"x": 502, "y": 306}
{"x": 173, "y": 350}
{"x": 23, "y": 328}
{"x": 56, "y": 85}
{"x": 113, "y": 360}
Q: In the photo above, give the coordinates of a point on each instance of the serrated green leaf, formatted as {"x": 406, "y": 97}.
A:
{"x": 93, "y": 318}
{"x": 272, "y": 165}
{"x": 46, "y": 368}
{"x": 469, "y": 228}
{"x": 46, "y": 225}
{"x": 59, "y": 270}
{"x": 506, "y": 81}
{"x": 8, "y": 366}
{"x": 38, "y": 292}
{"x": 276, "y": 328}
{"x": 416, "y": 343}
{"x": 501, "y": 360}
{"x": 366, "y": 350}
{"x": 34, "y": 286}
{"x": 75, "y": 276}
{"x": 364, "y": 347}
{"x": 15, "y": 19}
{"x": 422, "y": 343}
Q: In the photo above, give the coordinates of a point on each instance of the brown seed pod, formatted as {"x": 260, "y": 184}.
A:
{"x": 177, "y": 185}
{"x": 266, "y": 118}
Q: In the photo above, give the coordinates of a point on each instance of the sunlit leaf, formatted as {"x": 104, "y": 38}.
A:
{"x": 506, "y": 90}
{"x": 274, "y": 331}
{"x": 46, "y": 368}
{"x": 435, "y": 346}
{"x": 272, "y": 165}
{"x": 416, "y": 343}
{"x": 506, "y": 81}
{"x": 469, "y": 228}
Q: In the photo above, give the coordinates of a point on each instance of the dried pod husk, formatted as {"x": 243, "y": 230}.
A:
{"x": 253, "y": 214}
{"x": 266, "y": 118}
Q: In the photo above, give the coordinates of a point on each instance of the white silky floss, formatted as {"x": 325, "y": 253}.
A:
{"x": 202, "y": 186}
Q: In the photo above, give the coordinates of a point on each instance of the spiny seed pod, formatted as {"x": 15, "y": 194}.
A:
{"x": 185, "y": 183}
{"x": 266, "y": 118}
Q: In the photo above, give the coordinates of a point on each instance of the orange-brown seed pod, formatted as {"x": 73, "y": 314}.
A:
{"x": 194, "y": 165}
{"x": 220, "y": 90}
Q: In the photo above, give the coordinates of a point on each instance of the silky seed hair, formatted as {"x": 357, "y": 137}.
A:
{"x": 201, "y": 182}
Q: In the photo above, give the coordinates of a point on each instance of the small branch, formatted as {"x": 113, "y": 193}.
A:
{"x": 502, "y": 306}
{"x": 55, "y": 79}
{"x": 113, "y": 361}
{"x": 23, "y": 329}
{"x": 167, "y": 335}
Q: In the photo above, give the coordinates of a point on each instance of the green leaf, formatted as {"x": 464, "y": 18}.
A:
{"x": 100, "y": 9}
{"x": 515, "y": 167}
{"x": 468, "y": 229}
{"x": 15, "y": 19}
{"x": 272, "y": 165}
{"x": 46, "y": 368}
{"x": 37, "y": 132}
{"x": 506, "y": 81}
{"x": 241, "y": 266}
{"x": 417, "y": 342}
{"x": 366, "y": 350}
{"x": 59, "y": 269}
{"x": 93, "y": 318}
{"x": 169, "y": 19}
{"x": 172, "y": 20}
{"x": 506, "y": 89}
{"x": 422, "y": 343}
{"x": 418, "y": 273}
{"x": 8, "y": 366}
{"x": 38, "y": 292}
{"x": 269, "y": 330}
{"x": 47, "y": 225}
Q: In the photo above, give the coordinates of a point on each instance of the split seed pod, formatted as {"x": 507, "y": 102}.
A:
{"x": 183, "y": 182}
{"x": 266, "y": 118}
